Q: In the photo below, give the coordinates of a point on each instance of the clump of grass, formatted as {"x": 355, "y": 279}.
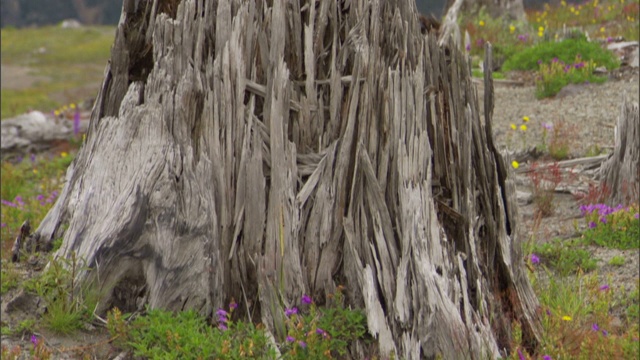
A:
{"x": 564, "y": 257}
{"x": 9, "y": 278}
{"x": 613, "y": 227}
{"x": 310, "y": 334}
{"x": 565, "y": 51}
{"x": 617, "y": 261}
{"x": 68, "y": 304}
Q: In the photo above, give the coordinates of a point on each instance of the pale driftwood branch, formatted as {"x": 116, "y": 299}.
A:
{"x": 585, "y": 163}
{"x": 34, "y": 132}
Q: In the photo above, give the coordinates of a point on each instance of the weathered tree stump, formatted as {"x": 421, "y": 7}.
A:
{"x": 620, "y": 172}
{"x": 263, "y": 150}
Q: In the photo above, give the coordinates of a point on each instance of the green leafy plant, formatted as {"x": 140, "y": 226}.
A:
{"x": 614, "y": 227}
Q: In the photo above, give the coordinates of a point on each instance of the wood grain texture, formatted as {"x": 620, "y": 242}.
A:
{"x": 274, "y": 149}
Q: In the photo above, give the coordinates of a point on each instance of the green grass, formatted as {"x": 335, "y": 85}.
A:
{"x": 73, "y": 58}
{"x": 566, "y": 51}
{"x": 565, "y": 257}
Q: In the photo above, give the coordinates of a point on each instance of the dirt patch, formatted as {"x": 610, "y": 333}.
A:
{"x": 15, "y": 77}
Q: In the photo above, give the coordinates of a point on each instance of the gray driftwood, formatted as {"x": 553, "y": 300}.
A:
{"x": 244, "y": 150}
{"x": 34, "y": 132}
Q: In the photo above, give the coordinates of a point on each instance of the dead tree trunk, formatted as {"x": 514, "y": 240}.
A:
{"x": 620, "y": 172}
{"x": 262, "y": 150}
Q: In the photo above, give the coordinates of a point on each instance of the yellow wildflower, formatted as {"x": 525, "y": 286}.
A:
{"x": 72, "y": 106}
{"x": 563, "y": 3}
{"x": 64, "y": 154}
{"x": 515, "y": 164}
{"x": 56, "y": 113}
{"x": 512, "y": 29}
{"x": 541, "y": 29}
{"x": 577, "y": 13}
{"x": 566, "y": 318}
{"x": 513, "y": 126}
{"x": 525, "y": 118}
{"x": 35, "y": 171}
{"x": 523, "y": 127}
{"x": 602, "y": 29}
{"x": 481, "y": 23}
{"x": 572, "y": 9}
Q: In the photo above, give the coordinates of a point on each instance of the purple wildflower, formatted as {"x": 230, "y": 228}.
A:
{"x": 604, "y": 287}
{"x": 233, "y": 305}
{"x": 592, "y": 224}
{"x": 18, "y": 200}
{"x": 603, "y": 219}
{"x": 535, "y": 260}
{"x": 555, "y": 60}
{"x": 547, "y": 126}
{"x": 290, "y": 338}
{"x": 320, "y": 331}
{"x": 306, "y": 299}
{"x": 289, "y": 312}
{"x": 40, "y": 197}
{"x": 32, "y": 157}
{"x": 609, "y": 39}
{"x": 595, "y": 327}
{"x": 523, "y": 37}
{"x": 302, "y": 344}
{"x": 579, "y": 65}
{"x": 637, "y": 216}
{"x": 539, "y": 61}
{"x": 221, "y": 313}
{"x": 3, "y": 225}
{"x": 480, "y": 42}
{"x": 8, "y": 203}
{"x": 468, "y": 47}
{"x": 520, "y": 355}
{"x": 222, "y": 326}
{"x": 546, "y": 357}
{"x": 76, "y": 123}
{"x": 548, "y": 312}
{"x": 605, "y": 332}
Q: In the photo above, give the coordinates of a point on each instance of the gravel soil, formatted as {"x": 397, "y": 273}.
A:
{"x": 590, "y": 113}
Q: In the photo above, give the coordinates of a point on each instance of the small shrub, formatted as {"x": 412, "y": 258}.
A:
{"x": 545, "y": 180}
{"x": 561, "y": 141}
